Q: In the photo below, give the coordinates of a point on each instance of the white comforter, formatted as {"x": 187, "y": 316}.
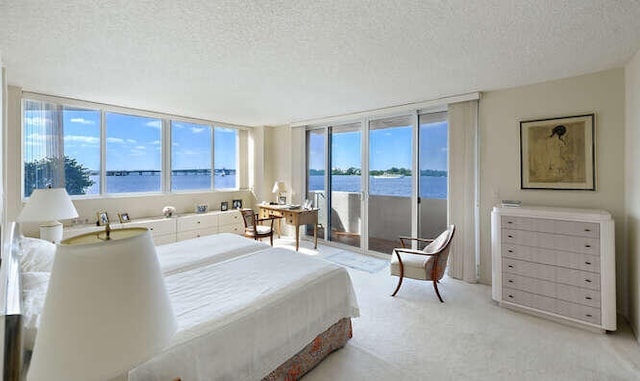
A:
{"x": 189, "y": 254}
{"x": 242, "y": 318}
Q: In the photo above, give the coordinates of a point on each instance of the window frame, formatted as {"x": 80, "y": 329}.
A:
{"x": 166, "y": 141}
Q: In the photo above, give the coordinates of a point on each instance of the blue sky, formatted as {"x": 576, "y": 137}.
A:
{"x": 133, "y": 142}
{"x": 389, "y": 147}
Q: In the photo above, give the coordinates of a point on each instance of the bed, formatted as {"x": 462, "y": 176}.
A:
{"x": 245, "y": 311}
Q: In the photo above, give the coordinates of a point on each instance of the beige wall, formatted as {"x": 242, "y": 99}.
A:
{"x": 632, "y": 187}
{"x": 500, "y": 114}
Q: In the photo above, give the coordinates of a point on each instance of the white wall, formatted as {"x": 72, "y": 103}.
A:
{"x": 500, "y": 114}
{"x": 632, "y": 187}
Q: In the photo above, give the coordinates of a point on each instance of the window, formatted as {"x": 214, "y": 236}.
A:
{"x": 225, "y": 158}
{"x": 94, "y": 149}
{"x": 191, "y": 156}
{"x": 61, "y": 148}
{"x": 134, "y": 153}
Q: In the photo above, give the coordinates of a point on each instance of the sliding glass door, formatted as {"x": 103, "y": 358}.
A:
{"x": 316, "y": 178}
{"x": 345, "y": 196}
{"x": 390, "y": 182}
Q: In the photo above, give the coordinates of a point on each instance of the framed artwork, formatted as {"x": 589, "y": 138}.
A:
{"x": 103, "y": 218}
{"x": 123, "y": 217}
{"x": 224, "y": 205}
{"x": 558, "y": 153}
{"x": 202, "y": 208}
{"x": 282, "y": 200}
{"x": 237, "y": 204}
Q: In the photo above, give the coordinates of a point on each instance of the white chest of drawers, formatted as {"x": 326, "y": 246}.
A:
{"x": 555, "y": 262}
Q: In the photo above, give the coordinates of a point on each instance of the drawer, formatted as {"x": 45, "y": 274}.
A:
{"x": 583, "y": 245}
{"x": 544, "y": 225}
{"x": 228, "y": 218}
{"x": 552, "y": 257}
{"x": 551, "y": 273}
{"x": 192, "y": 222}
{"x": 164, "y": 239}
{"x": 554, "y": 290}
{"x": 233, "y": 228}
{"x": 191, "y": 234}
{"x": 560, "y": 307}
{"x": 157, "y": 227}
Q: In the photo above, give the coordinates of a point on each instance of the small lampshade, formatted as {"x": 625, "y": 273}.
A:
{"x": 106, "y": 309}
{"x": 279, "y": 187}
{"x": 48, "y": 204}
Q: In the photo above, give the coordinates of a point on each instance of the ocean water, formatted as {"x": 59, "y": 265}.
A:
{"x": 430, "y": 186}
{"x": 145, "y": 183}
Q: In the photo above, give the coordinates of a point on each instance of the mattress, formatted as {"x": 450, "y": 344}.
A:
{"x": 241, "y": 318}
{"x": 189, "y": 254}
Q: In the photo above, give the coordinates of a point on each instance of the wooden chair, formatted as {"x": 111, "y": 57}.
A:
{"x": 426, "y": 264}
{"x": 252, "y": 227}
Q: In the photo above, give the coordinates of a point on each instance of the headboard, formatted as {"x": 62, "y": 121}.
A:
{"x": 11, "y": 305}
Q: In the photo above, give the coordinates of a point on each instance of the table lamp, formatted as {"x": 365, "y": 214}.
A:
{"x": 47, "y": 206}
{"x": 279, "y": 187}
{"x": 107, "y": 308}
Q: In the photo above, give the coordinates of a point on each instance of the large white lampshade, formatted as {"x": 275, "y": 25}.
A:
{"x": 279, "y": 187}
{"x": 106, "y": 310}
{"x": 47, "y": 206}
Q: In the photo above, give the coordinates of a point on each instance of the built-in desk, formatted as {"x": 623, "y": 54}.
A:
{"x": 294, "y": 217}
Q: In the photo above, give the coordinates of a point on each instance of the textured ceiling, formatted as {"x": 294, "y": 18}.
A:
{"x": 272, "y": 62}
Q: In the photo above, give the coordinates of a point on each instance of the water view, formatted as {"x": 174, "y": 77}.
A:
{"x": 151, "y": 183}
{"x": 430, "y": 186}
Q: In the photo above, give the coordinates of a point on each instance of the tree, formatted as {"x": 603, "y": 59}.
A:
{"x": 44, "y": 172}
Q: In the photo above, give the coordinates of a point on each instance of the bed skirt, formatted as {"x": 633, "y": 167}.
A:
{"x": 328, "y": 341}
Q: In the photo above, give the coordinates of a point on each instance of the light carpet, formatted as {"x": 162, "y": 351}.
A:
{"x": 358, "y": 261}
{"x": 415, "y": 337}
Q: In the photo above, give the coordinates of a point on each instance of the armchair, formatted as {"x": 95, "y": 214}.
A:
{"x": 426, "y": 264}
{"x": 252, "y": 227}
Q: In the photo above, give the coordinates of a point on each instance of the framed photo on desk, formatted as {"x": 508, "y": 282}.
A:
{"x": 282, "y": 200}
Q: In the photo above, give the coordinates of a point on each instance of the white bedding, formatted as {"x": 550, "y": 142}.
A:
{"x": 189, "y": 254}
{"x": 240, "y": 319}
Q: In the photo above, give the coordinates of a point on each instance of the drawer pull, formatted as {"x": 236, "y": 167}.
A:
{"x": 587, "y": 297}
{"x": 510, "y": 236}
{"x": 511, "y": 296}
{"x": 587, "y": 263}
{"x": 198, "y": 221}
{"x": 510, "y": 266}
{"x": 509, "y": 222}
{"x": 150, "y": 228}
{"x": 511, "y": 251}
{"x": 587, "y": 245}
{"x": 510, "y": 281}
{"x": 587, "y": 230}
{"x": 588, "y": 315}
{"x": 588, "y": 280}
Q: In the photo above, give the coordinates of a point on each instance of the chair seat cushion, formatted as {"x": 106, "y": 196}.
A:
{"x": 261, "y": 230}
{"x": 414, "y": 266}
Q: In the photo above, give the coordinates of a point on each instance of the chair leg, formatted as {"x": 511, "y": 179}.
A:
{"x": 271, "y": 238}
{"x": 399, "y": 280}
{"x": 435, "y": 286}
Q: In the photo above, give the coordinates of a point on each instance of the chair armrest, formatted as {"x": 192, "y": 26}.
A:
{"x": 403, "y": 238}
{"x": 411, "y": 251}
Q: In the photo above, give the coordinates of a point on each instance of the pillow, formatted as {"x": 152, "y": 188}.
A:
{"x": 34, "y": 291}
{"x": 36, "y": 255}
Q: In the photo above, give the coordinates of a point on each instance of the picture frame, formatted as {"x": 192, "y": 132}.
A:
{"x": 124, "y": 218}
{"x": 558, "y": 153}
{"x": 236, "y": 204}
{"x": 103, "y": 218}
{"x": 202, "y": 208}
{"x": 282, "y": 200}
{"x": 224, "y": 205}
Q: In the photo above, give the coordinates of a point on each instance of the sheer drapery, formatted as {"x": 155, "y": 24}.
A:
{"x": 43, "y": 146}
{"x": 463, "y": 211}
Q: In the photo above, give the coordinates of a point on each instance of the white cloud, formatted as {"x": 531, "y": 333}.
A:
{"x": 132, "y": 141}
{"x": 176, "y": 144}
{"x": 177, "y": 125}
{"x": 82, "y": 121}
{"x": 141, "y": 147}
{"x": 154, "y": 124}
{"x": 224, "y": 129}
{"x": 82, "y": 139}
{"x": 197, "y": 130}
{"x": 37, "y": 121}
{"x": 444, "y": 149}
{"x": 35, "y": 137}
{"x": 115, "y": 140}
{"x": 155, "y": 142}
{"x": 134, "y": 152}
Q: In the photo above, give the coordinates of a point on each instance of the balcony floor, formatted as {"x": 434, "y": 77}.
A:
{"x": 379, "y": 245}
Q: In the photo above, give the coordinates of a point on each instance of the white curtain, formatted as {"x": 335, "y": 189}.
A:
{"x": 463, "y": 210}
{"x": 298, "y": 166}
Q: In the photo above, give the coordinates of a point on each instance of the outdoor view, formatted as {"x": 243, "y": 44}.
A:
{"x": 386, "y": 177}
{"x": 62, "y": 148}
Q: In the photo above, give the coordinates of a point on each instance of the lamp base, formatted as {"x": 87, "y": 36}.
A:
{"x": 51, "y": 231}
